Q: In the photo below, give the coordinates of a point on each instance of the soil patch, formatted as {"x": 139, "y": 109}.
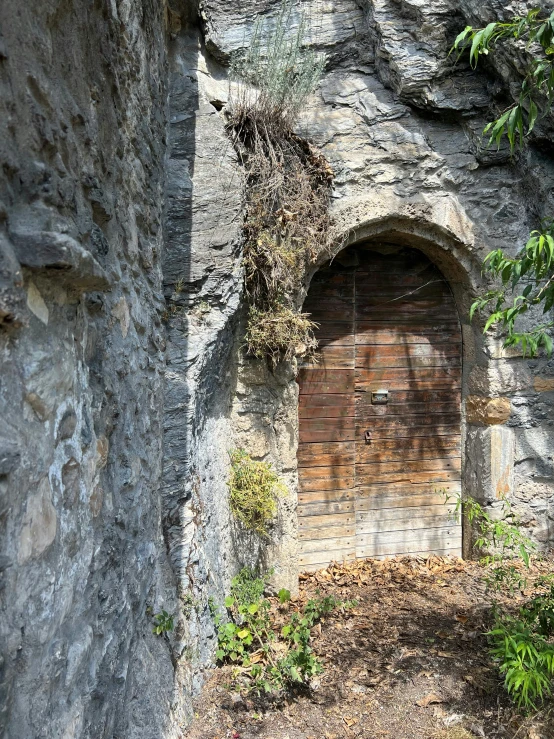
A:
{"x": 409, "y": 661}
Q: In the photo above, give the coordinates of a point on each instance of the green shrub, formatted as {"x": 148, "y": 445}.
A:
{"x": 247, "y": 587}
{"x": 253, "y": 491}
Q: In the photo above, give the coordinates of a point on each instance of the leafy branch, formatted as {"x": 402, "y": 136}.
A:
{"x": 533, "y": 270}
{"x": 529, "y": 276}
{"x": 537, "y": 89}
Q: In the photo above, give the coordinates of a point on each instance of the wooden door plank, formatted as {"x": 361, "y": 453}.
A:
{"x": 374, "y": 469}
{"x": 425, "y": 523}
{"x": 315, "y": 401}
{"x": 333, "y": 472}
{"x": 317, "y": 560}
{"x": 346, "y": 410}
{"x": 324, "y": 508}
{"x": 433, "y": 477}
{"x": 387, "y": 423}
{"x": 408, "y": 448}
{"x": 386, "y": 490}
{"x": 307, "y": 546}
{"x": 388, "y": 515}
{"x": 325, "y": 496}
{"x": 339, "y": 483}
{"x": 326, "y": 533}
{"x": 382, "y": 502}
{"x": 328, "y": 519}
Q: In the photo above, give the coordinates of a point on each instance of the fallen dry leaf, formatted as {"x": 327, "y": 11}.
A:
{"x": 430, "y": 699}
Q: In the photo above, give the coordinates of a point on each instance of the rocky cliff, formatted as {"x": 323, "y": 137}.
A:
{"x": 123, "y": 382}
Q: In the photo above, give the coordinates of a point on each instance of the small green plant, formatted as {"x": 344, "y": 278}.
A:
{"x": 525, "y": 657}
{"x": 248, "y": 587}
{"x": 277, "y": 72}
{"x": 521, "y": 645}
{"x": 500, "y": 542}
{"x": 537, "y": 89}
{"x": 253, "y": 491}
{"x": 269, "y": 661}
{"x": 163, "y": 622}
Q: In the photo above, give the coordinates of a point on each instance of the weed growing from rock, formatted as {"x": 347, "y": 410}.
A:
{"x": 288, "y": 183}
{"x": 253, "y": 491}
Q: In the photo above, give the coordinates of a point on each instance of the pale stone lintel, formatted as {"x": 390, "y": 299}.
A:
{"x": 487, "y": 411}
{"x": 444, "y": 215}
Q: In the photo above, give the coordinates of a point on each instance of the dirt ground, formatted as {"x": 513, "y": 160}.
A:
{"x": 409, "y": 661}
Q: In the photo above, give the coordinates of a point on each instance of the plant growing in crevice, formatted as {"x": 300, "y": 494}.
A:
{"x": 253, "y": 491}
{"x": 163, "y": 622}
{"x": 288, "y": 182}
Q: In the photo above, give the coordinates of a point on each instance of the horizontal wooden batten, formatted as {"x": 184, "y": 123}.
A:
{"x": 408, "y": 448}
{"x": 323, "y": 533}
{"x": 332, "y": 472}
{"x": 451, "y": 489}
{"x": 418, "y": 420}
{"x": 392, "y": 432}
{"x": 314, "y": 400}
{"x": 326, "y": 460}
{"x": 308, "y": 452}
{"x": 324, "y": 508}
{"x": 369, "y": 528}
{"x": 329, "y": 435}
{"x": 382, "y": 502}
{"x": 451, "y": 544}
{"x": 342, "y": 357}
{"x": 331, "y": 483}
{"x": 374, "y": 469}
{"x": 430, "y": 476}
{"x": 375, "y": 333}
{"x": 414, "y": 514}
{"x": 327, "y": 520}
{"x": 321, "y": 424}
{"x": 325, "y": 496}
{"x": 307, "y": 546}
{"x": 393, "y": 408}
{"x": 316, "y": 560}
{"x": 328, "y": 411}
{"x": 411, "y": 351}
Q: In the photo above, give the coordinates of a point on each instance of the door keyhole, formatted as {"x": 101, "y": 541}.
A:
{"x": 367, "y": 437}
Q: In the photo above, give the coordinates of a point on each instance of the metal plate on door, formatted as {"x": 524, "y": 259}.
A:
{"x": 380, "y": 397}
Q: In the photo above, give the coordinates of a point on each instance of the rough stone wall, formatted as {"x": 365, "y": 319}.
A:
{"x": 84, "y": 564}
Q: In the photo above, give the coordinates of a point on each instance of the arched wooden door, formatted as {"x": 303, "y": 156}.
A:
{"x": 380, "y": 412}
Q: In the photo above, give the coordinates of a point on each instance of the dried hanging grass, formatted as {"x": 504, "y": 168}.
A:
{"x": 288, "y": 183}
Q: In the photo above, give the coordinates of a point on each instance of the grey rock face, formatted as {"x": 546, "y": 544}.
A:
{"x": 123, "y": 385}
{"x": 82, "y": 131}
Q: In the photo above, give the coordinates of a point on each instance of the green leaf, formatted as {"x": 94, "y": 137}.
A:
{"x": 284, "y": 595}
{"x": 243, "y": 633}
{"x": 253, "y": 608}
{"x": 229, "y": 601}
